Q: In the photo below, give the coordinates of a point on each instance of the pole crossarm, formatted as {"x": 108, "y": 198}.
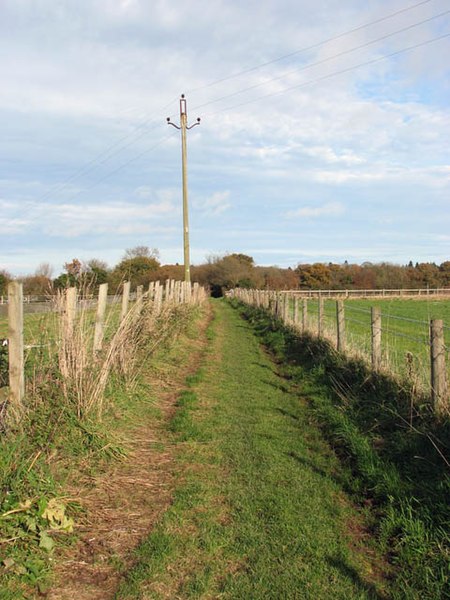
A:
{"x": 183, "y": 127}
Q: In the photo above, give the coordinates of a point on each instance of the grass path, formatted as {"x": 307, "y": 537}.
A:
{"x": 259, "y": 510}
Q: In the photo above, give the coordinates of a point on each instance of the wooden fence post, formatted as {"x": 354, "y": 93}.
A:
{"x": 438, "y": 374}
{"x": 376, "y": 337}
{"x": 139, "y": 298}
{"x": 125, "y": 299}
{"x": 320, "y": 316}
{"x": 195, "y": 293}
{"x": 167, "y": 291}
{"x": 158, "y": 298}
{"x": 280, "y": 306}
{"x": 71, "y": 309}
{"x": 286, "y": 309}
{"x": 340, "y": 322}
{"x": 305, "y": 315}
{"x": 151, "y": 290}
{"x": 296, "y": 312}
{"x": 100, "y": 317}
{"x": 15, "y": 351}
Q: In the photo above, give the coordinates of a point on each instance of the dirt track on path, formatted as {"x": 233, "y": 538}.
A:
{"x": 122, "y": 504}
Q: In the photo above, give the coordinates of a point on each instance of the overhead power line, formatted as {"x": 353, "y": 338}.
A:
{"x": 122, "y": 166}
{"x": 118, "y": 146}
{"x": 312, "y": 47}
{"x": 333, "y": 74}
{"x": 150, "y": 123}
{"x": 106, "y": 154}
{"x": 323, "y": 61}
{"x": 273, "y": 94}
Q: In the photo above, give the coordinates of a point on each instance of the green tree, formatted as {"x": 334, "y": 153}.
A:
{"x": 428, "y": 274}
{"x": 316, "y": 276}
{"x": 72, "y": 276}
{"x": 444, "y": 273}
{"x": 138, "y": 270}
{"x": 5, "y": 278}
{"x": 97, "y": 272}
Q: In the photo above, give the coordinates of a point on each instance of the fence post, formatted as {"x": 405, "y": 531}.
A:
{"x": 286, "y": 309}
{"x": 125, "y": 299}
{"x": 100, "y": 317}
{"x": 195, "y": 293}
{"x": 15, "y": 340}
{"x": 438, "y": 375}
{"x": 139, "y": 298}
{"x": 305, "y": 315}
{"x": 167, "y": 292}
{"x": 320, "y": 316}
{"x": 340, "y": 322}
{"x": 376, "y": 336}
{"x": 188, "y": 292}
{"x": 71, "y": 309}
{"x": 296, "y": 312}
{"x": 151, "y": 290}
{"x": 158, "y": 298}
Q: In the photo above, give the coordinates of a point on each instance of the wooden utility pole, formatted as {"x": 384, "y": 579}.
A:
{"x": 184, "y": 127}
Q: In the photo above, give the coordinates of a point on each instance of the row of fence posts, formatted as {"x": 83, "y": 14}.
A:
{"x": 279, "y": 304}
{"x": 171, "y": 293}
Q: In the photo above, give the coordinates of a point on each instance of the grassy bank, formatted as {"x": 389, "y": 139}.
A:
{"x": 395, "y": 452}
{"x": 259, "y": 511}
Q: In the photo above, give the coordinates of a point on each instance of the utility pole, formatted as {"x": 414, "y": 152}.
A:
{"x": 184, "y": 127}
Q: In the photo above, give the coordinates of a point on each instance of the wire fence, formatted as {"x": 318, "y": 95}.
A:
{"x": 412, "y": 350}
{"x": 77, "y": 333}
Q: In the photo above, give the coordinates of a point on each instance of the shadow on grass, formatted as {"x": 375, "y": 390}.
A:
{"x": 306, "y": 462}
{"x": 393, "y": 444}
{"x": 374, "y": 404}
{"x": 286, "y": 413}
{"x": 351, "y": 573}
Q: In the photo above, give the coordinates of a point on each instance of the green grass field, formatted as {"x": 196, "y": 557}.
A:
{"x": 405, "y": 331}
{"x": 41, "y": 333}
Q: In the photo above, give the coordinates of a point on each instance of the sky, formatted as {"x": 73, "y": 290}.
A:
{"x": 324, "y": 135}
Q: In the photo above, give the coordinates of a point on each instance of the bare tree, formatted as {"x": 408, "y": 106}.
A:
{"x": 44, "y": 270}
{"x": 141, "y": 251}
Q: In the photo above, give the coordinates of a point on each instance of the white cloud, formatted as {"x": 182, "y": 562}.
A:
{"x": 215, "y": 205}
{"x": 74, "y": 220}
{"x": 80, "y": 76}
{"x": 331, "y": 209}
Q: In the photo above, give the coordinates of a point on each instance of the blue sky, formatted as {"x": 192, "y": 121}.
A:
{"x": 307, "y": 158}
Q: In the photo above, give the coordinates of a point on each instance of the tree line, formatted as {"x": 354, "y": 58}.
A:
{"x": 141, "y": 265}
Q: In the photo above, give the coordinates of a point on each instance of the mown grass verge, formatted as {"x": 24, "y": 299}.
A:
{"x": 259, "y": 510}
{"x": 398, "y": 465}
{"x": 54, "y": 444}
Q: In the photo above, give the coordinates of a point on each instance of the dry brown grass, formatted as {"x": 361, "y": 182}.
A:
{"x": 84, "y": 375}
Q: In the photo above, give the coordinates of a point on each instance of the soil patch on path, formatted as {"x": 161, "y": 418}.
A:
{"x": 123, "y": 503}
